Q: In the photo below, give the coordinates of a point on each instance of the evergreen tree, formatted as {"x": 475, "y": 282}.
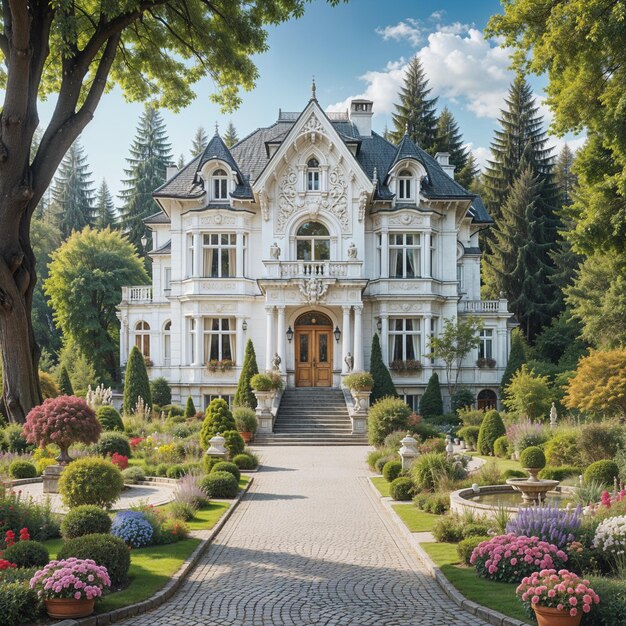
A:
{"x": 199, "y": 143}
{"x": 383, "y": 385}
{"x": 564, "y": 177}
{"x": 517, "y": 357}
{"x": 160, "y": 391}
{"x": 230, "y": 136}
{"x": 104, "y": 209}
{"x": 516, "y": 264}
{"x": 244, "y": 395}
{"x": 387, "y": 134}
{"x": 190, "y": 408}
{"x": 415, "y": 113}
{"x": 431, "y": 403}
{"x": 65, "y": 384}
{"x": 469, "y": 175}
{"x": 72, "y": 192}
{"x": 450, "y": 140}
{"x": 181, "y": 161}
{"x": 136, "y": 383}
{"x": 149, "y": 157}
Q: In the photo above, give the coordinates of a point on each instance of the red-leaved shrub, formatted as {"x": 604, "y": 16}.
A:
{"x": 63, "y": 421}
{"x": 120, "y": 460}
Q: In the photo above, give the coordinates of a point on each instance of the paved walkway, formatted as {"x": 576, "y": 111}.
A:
{"x": 308, "y": 546}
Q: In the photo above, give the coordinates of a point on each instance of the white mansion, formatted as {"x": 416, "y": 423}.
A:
{"x": 309, "y": 236}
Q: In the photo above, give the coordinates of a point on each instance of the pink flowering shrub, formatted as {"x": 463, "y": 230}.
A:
{"x": 560, "y": 590}
{"x": 63, "y": 421}
{"x": 509, "y": 558}
{"x": 81, "y": 579}
{"x": 119, "y": 460}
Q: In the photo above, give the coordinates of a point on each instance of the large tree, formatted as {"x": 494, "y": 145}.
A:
{"x": 199, "y": 142}
{"x": 150, "y": 155}
{"x": 85, "y": 286}
{"x": 450, "y": 140}
{"x": 151, "y": 49}
{"x": 230, "y": 136}
{"x": 416, "y": 112}
{"x": 104, "y": 209}
{"x": 73, "y": 192}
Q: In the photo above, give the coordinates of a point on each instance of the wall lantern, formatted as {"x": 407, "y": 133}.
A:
{"x": 379, "y": 324}
{"x": 289, "y": 334}
{"x": 144, "y": 242}
{"x": 244, "y": 326}
{"x": 337, "y": 334}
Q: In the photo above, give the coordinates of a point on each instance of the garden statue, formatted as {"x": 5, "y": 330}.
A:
{"x": 408, "y": 452}
{"x": 553, "y": 416}
{"x": 275, "y": 251}
{"x": 352, "y": 250}
{"x": 349, "y": 360}
{"x": 276, "y": 361}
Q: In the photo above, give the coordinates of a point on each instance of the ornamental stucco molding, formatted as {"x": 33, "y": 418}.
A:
{"x": 210, "y": 220}
{"x": 313, "y": 290}
{"x": 312, "y": 127}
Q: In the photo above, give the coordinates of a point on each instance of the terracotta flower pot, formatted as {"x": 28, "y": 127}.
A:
{"x": 547, "y": 616}
{"x": 62, "y": 608}
{"x": 246, "y": 436}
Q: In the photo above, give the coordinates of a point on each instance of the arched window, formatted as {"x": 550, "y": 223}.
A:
{"x": 220, "y": 185}
{"x": 167, "y": 342}
{"x": 405, "y": 185}
{"x": 142, "y": 338}
{"x": 486, "y": 400}
{"x": 313, "y": 175}
{"x": 313, "y": 242}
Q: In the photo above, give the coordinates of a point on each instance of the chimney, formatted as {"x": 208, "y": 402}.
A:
{"x": 361, "y": 116}
{"x": 170, "y": 171}
{"x": 443, "y": 158}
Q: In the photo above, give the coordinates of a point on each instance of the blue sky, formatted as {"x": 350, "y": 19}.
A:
{"x": 358, "y": 49}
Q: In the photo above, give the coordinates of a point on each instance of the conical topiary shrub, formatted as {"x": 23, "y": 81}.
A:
{"x": 244, "y": 395}
{"x": 431, "y": 404}
{"x": 218, "y": 419}
{"x": 65, "y": 384}
{"x": 491, "y": 429}
{"x": 383, "y": 385}
{"x": 136, "y": 383}
{"x": 190, "y": 407}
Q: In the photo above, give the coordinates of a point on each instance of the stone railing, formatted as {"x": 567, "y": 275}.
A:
{"x": 138, "y": 294}
{"x": 317, "y": 269}
{"x": 483, "y": 306}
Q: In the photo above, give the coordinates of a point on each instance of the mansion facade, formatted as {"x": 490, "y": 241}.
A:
{"x": 308, "y": 237}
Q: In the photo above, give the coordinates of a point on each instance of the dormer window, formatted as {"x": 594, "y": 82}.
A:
{"x": 313, "y": 175}
{"x": 220, "y": 185}
{"x": 405, "y": 185}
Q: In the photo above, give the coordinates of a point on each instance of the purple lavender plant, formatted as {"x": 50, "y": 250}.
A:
{"x": 548, "y": 523}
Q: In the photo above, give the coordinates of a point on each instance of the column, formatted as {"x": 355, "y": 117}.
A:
{"x": 269, "y": 337}
{"x": 426, "y": 334}
{"x": 239, "y": 341}
{"x": 358, "y": 338}
{"x": 384, "y": 254}
{"x": 198, "y": 339}
{"x": 345, "y": 334}
{"x": 197, "y": 255}
{"x": 240, "y": 270}
{"x": 428, "y": 270}
{"x": 282, "y": 352}
{"x": 384, "y": 337}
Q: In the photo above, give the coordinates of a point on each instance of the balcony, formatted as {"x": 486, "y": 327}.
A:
{"x": 315, "y": 269}
{"x": 478, "y": 307}
{"x": 137, "y": 294}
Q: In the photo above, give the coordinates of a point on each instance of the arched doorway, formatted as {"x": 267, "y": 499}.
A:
{"x": 486, "y": 400}
{"x": 313, "y": 350}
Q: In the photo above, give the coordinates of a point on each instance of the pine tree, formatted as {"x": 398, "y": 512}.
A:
{"x": 517, "y": 357}
{"x": 244, "y": 395}
{"x": 181, "y": 161}
{"x": 230, "y": 136}
{"x": 65, "y": 384}
{"x": 431, "y": 403}
{"x": 136, "y": 383}
{"x": 383, "y": 385}
{"x": 104, "y": 208}
{"x": 73, "y": 193}
{"x": 415, "y": 113}
{"x": 516, "y": 264}
{"x": 149, "y": 157}
{"x": 190, "y": 408}
{"x": 450, "y": 140}
{"x": 199, "y": 143}
{"x": 469, "y": 175}
{"x": 564, "y": 177}
{"x": 387, "y": 134}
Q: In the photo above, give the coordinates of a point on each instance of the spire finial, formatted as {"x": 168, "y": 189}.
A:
{"x": 313, "y": 89}
{"x": 217, "y": 128}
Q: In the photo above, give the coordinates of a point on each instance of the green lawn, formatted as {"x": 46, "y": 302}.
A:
{"x": 207, "y": 516}
{"x": 498, "y": 596}
{"x": 415, "y": 520}
{"x": 382, "y": 485}
{"x": 503, "y": 464}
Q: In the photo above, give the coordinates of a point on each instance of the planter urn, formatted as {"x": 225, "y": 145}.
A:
{"x": 69, "y": 608}
{"x": 361, "y": 398}
{"x": 548, "y": 616}
{"x": 246, "y": 435}
{"x": 264, "y": 411}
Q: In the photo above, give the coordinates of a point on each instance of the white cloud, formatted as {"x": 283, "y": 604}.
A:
{"x": 409, "y": 29}
{"x": 481, "y": 154}
{"x": 574, "y": 142}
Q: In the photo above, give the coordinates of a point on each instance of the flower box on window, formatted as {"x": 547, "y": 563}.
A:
{"x": 148, "y": 361}
{"x": 410, "y": 365}
{"x": 485, "y": 363}
{"x": 220, "y": 366}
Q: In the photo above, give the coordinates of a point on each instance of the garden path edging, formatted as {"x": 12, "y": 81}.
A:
{"x": 489, "y": 615}
{"x": 162, "y": 596}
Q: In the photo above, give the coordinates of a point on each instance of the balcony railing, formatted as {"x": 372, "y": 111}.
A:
{"x": 316, "y": 269}
{"x": 137, "y": 294}
{"x": 483, "y": 306}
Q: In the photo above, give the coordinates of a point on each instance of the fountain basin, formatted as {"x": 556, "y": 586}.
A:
{"x": 533, "y": 491}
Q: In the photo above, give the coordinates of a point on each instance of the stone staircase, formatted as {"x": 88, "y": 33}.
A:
{"x": 312, "y": 417}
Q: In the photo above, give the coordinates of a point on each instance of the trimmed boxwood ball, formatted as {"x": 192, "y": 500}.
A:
{"x": 86, "y": 519}
{"x": 176, "y": 471}
{"x": 392, "y": 470}
{"x": 22, "y": 469}
{"x": 133, "y": 475}
{"x": 19, "y": 604}
{"x": 234, "y": 442}
{"x": 491, "y": 428}
{"x": 402, "y": 488}
{"x": 533, "y": 458}
{"x": 244, "y": 461}
{"x": 602, "y": 472}
{"x": 111, "y": 442}
{"x": 226, "y": 466}
{"x": 502, "y": 447}
{"x": 105, "y": 550}
{"x": 109, "y": 418}
{"x": 90, "y": 481}
{"x": 465, "y": 547}
{"x": 27, "y": 554}
{"x": 219, "y": 485}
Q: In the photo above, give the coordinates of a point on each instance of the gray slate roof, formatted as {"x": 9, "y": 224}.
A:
{"x": 166, "y": 248}
{"x": 157, "y": 218}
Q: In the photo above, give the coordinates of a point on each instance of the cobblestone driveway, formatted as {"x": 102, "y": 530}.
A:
{"x": 308, "y": 546}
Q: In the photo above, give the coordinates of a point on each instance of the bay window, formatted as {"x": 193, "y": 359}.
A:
{"x": 404, "y": 339}
{"x": 219, "y": 339}
{"x": 219, "y": 252}
{"x": 405, "y": 255}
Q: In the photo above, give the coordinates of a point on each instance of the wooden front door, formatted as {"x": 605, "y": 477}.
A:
{"x": 314, "y": 356}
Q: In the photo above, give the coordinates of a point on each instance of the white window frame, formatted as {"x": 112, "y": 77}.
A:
{"x": 142, "y": 337}
{"x": 413, "y": 400}
{"x": 213, "y": 396}
{"x": 405, "y": 247}
{"x": 406, "y": 184}
{"x": 167, "y": 342}
{"x": 209, "y": 332}
{"x": 192, "y": 340}
{"x": 191, "y": 253}
{"x": 167, "y": 279}
{"x": 219, "y": 185}
{"x": 312, "y": 239}
{"x": 313, "y": 177}
{"x": 486, "y": 345}
{"x": 416, "y": 331}
{"x": 215, "y": 242}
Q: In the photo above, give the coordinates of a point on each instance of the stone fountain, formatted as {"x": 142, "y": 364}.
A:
{"x": 533, "y": 489}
